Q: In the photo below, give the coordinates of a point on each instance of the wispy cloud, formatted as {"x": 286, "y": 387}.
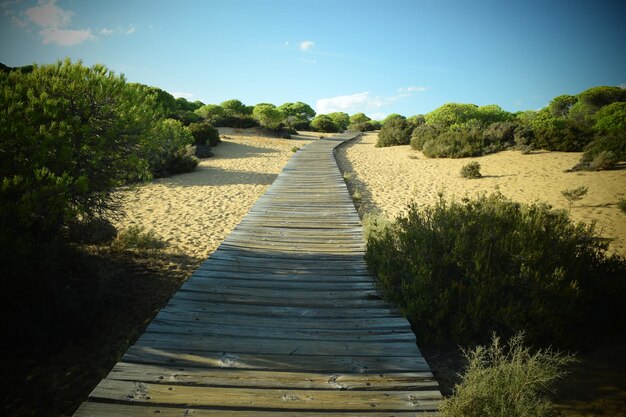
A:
{"x": 416, "y": 89}
{"x": 131, "y": 30}
{"x": 65, "y": 37}
{"x": 52, "y": 21}
{"x": 106, "y": 31}
{"x": 354, "y": 103}
{"x": 306, "y": 45}
{"x": 178, "y": 94}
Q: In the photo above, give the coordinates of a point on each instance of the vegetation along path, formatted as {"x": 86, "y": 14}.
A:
{"x": 283, "y": 319}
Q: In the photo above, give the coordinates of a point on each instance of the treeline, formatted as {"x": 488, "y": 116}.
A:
{"x": 286, "y": 118}
{"x": 593, "y": 122}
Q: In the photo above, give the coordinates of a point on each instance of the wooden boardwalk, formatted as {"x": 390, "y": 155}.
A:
{"x": 283, "y": 319}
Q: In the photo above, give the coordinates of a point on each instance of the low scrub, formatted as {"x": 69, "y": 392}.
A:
{"x": 506, "y": 381}
{"x": 462, "y": 270}
{"x": 136, "y": 237}
{"x": 471, "y": 170}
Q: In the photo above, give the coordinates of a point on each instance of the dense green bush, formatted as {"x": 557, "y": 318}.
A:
{"x": 471, "y": 170}
{"x": 506, "y": 381}
{"x": 268, "y": 116}
{"x": 395, "y": 131}
{"x": 204, "y": 133}
{"x": 460, "y": 143}
{"x": 297, "y": 116}
{"x": 323, "y": 123}
{"x": 70, "y": 135}
{"x": 461, "y": 270}
{"x": 168, "y": 148}
{"x": 341, "y": 119}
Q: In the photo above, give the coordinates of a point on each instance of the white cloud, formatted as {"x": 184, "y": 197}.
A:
{"x": 417, "y": 89}
{"x": 131, "y": 30}
{"x": 64, "y": 37}
{"x": 106, "y": 31}
{"x": 306, "y": 45}
{"x": 178, "y": 94}
{"x": 355, "y": 103}
{"x": 53, "y": 21}
{"x": 49, "y": 15}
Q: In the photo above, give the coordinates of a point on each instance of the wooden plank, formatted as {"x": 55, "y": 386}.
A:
{"x": 265, "y": 399}
{"x": 218, "y": 377}
{"x": 301, "y": 363}
{"x": 92, "y": 409}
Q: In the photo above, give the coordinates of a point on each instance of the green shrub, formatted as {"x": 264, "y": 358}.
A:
{"x": 455, "y": 144}
{"x": 574, "y": 194}
{"x": 323, "y": 123}
{"x": 204, "y": 133}
{"x": 374, "y": 224}
{"x": 168, "y": 149}
{"x": 69, "y": 137}
{"x": 604, "y": 160}
{"x": 621, "y": 204}
{"x": 471, "y": 170}
{"x": 136, "y": 237}
{"x": 395, "y": 131}
{"x": 506, "y": 381}
{"x": 461, "y": 270}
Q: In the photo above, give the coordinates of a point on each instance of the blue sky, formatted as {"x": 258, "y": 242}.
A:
{"x": 373, "y": 56}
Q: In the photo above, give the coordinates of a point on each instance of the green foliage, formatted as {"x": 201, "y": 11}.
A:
{"x": 136, "y": 237}
{"x": 323, "y": 123}
{"x": 213, "y": 114}
{"x": 395, "y": 131}
{"x": 451, "y": 113}
{"x": 575, "y": 194}
{"x": 463, "y": 270}
{"x": 375, "y": 225}
{"x": 561, "y": 105}
{"x": 237, "y": 115}
{"x": 506, "y": 381}
{"x": 459, "y": 143}
{"x": 391, "y": 117}
{"x": 621, "y": 204}
{"x": 70, "y": 134}
{"x": 168, "y": 148}
{"x": 268, "y": 116}
{"x": 204, "y": 133}
{"x": 297, "y": 115}
{"x": 341, "y": 119}
{"x": 471, "y": 170}
{"x": 359, "y": 122}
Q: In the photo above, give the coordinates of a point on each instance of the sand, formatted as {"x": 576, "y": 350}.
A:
{"x": 194, "y": 212}
{"x": 389, "y": 178}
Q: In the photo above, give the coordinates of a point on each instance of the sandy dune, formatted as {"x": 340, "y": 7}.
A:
{"x": 388, "y": 178}
{"x": 194, "y": 212}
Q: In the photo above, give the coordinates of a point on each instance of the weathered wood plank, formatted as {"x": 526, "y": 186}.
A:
{"x": 218, "y": 377}
{"x": 265, "y": 399}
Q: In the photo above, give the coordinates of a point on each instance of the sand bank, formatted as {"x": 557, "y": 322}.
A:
{"x": 194, "y": 212}
{"x": 388, "y": 178}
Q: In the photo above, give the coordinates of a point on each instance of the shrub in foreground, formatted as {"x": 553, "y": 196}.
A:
{"x": 204, "y": 134}
{"x": 506, "y": 381}
{"x": 461, "y": 270}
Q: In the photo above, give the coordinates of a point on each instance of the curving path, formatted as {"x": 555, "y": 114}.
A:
{"x": 283, "y": 319}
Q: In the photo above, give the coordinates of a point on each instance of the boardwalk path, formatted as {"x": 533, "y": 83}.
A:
{"x": 282, "y": 320}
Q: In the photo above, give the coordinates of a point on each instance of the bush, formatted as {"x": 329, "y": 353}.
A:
{"x": 203, "y": 151}
{"x": 604, "y": 160}
{"x": 204, "y": 133}
{"x": 91, "y": 231}
{"x": 136, "y": 238}
{"x": 463, "y": 270}
{"x": 455, "y": 144}
{"x": 69, "y": 137}
{"x": 471, "y": 170}
{"x": 323, "y": 123}
{"x": 168, "y": 149}
{"x": 621, "y": 204}
{"x": 506, "y": 381}
{"x": 395, "y": 131}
